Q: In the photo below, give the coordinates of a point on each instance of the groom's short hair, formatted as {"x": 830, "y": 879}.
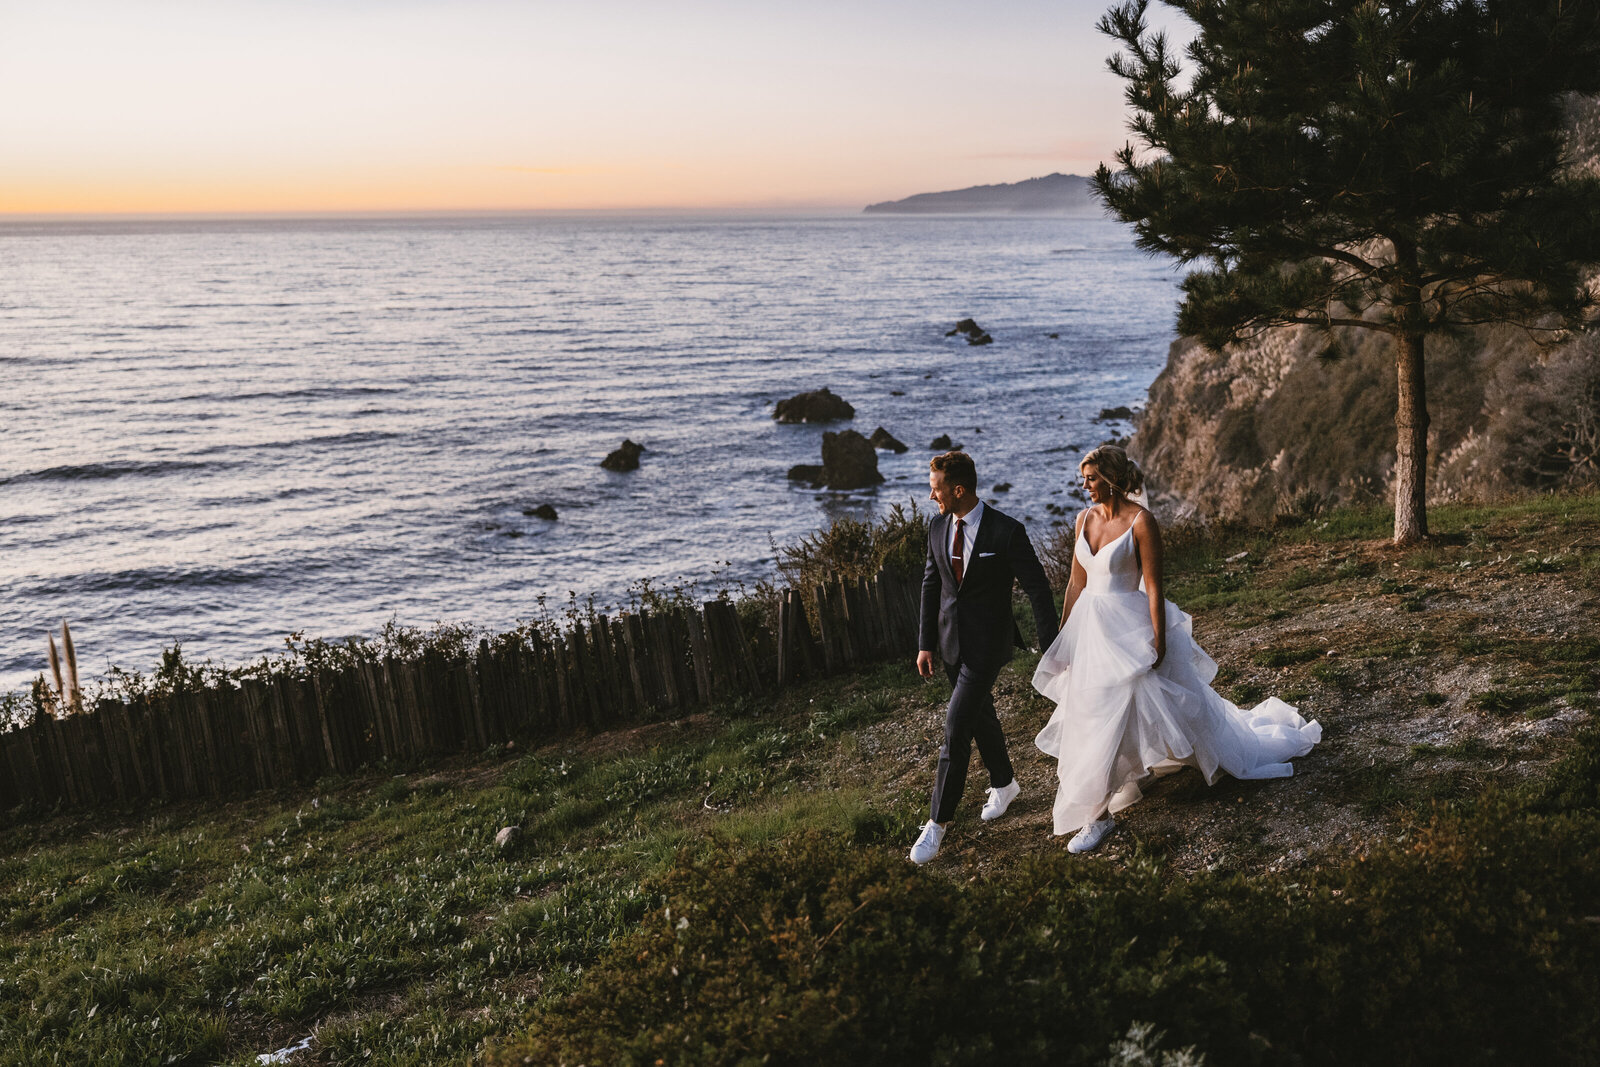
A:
{"x": 957, "y": 468}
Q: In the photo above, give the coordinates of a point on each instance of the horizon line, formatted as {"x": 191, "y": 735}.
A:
{"x": 495, "y": 212}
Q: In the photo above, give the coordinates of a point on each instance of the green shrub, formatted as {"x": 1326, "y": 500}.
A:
{"x": 1573, "y": 784}
{"x": 892, "y": 824}
{"x": 850, "y": 548}
{"x": 821, "y": 951}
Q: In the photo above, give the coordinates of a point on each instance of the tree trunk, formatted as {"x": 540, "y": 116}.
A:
{"x": 1411, "y": 445}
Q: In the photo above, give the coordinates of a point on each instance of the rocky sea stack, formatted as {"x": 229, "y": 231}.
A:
{"x": 820, "y": 405}
{"x": 848, "y": 462}
{"x": 625, "y": 458}
{"x": 975, "y": 334}
{"x": 882, "y": 438}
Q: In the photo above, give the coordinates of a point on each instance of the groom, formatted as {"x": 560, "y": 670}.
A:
{"x": 975, "y": 553}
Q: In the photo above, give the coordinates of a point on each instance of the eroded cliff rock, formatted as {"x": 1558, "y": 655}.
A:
{"x": 1249, "y": 430}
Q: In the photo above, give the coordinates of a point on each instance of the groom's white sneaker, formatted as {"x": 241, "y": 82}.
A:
{"x": 1091, "y": 835}
{"x": 1000, "y": 799}
{"x": 928, "y": 843}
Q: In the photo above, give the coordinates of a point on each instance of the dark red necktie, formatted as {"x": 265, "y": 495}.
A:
{"x": 956, "y": 549}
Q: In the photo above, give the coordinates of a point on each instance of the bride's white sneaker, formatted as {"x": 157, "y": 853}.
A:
{"x": 928, "y": 843}
{"x": 1000, "y": 799}
{"x": 1091, "y": 835}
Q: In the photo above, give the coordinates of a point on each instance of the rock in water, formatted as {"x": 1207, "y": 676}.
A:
{"x": 543, "y": 511}
{"x": 942, "y": 443}
{"x": 507, "y": 837}
{"x": 821, "y": 405}
{"x": 849, "y": 461}
{"x": 625, "y": 458}
{"x": 1112, "y": 414}
{"x": 882, "y": 438}
{"x": 806, "y": 472}
{"x": 976, "y": 335}
{"x": 1003, "y": 487}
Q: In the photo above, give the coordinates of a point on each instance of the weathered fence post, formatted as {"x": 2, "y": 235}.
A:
{"x": 633, "y": 648}
{"x": 700, "y": 649}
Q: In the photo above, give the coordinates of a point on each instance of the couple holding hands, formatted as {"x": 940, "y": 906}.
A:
{"x": 1132, "y": 690}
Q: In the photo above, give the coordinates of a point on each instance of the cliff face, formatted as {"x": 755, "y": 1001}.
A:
{"x": 1251, "y": 429}
{"x": 1259, "y": 426}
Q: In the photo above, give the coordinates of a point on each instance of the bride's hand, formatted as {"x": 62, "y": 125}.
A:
{"x": 1161, "y": 654}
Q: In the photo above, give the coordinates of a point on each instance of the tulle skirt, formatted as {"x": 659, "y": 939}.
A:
{"x": 1117, "y": 721}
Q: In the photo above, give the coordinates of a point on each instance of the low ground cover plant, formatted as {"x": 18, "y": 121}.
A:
{"x": 814, "y": 950}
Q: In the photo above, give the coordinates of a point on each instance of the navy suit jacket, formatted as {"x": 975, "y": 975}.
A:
{"x": 971, "y": 622}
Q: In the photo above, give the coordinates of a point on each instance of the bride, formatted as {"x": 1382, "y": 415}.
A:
{"x": 1132, "y": 689}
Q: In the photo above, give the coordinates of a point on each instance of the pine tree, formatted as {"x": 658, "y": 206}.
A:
{"x": 1394, "y": 166}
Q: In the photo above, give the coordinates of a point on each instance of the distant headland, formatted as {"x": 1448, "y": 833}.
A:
{"x": 1053, "y": 194}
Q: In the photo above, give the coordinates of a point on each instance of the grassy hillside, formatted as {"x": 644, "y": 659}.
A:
{"x": 733, "y": 885}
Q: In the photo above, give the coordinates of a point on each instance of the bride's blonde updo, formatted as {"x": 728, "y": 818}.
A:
{"x": 1116, "y": 468}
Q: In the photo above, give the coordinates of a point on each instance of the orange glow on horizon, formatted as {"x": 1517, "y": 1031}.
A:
{"x": 282, "y": 106}
{"x": 665, "y": 184}
{"x": 488, "y": 189}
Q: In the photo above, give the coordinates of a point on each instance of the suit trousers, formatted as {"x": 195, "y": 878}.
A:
{"x": 970, "y": 717}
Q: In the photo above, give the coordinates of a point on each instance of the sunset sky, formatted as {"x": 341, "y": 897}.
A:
{"x": 356, "y": 105}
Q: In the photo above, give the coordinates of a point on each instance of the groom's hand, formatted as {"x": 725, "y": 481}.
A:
{"x": 925, "y": 664}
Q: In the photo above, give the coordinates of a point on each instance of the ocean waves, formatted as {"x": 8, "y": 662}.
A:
{"x": 74, "y": 472}
{"x": 353, "y": 418}
{"x": 179, "y": 579}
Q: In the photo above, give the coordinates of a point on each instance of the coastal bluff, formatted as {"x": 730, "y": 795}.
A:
{"x": 1295, "y": 418}
{"x": 1281, "y": 423}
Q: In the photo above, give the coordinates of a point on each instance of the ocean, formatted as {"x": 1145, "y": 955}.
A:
{"x": 216, "y": 433}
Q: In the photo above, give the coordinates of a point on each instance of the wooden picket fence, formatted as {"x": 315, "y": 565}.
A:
{"x": 250, "y": 735}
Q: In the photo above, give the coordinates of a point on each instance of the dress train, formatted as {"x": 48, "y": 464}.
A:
{"x": 1117, "y": 721}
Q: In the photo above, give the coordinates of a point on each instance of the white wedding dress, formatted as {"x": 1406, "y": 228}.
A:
{"x": 1117, "y": 721}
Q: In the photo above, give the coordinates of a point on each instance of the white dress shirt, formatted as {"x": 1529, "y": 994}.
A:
{"x": 969, "y": 535}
